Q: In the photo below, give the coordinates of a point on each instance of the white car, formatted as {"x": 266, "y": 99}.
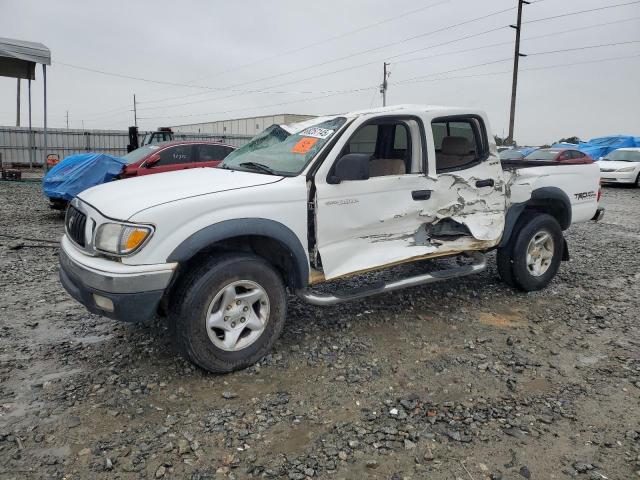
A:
{"x": 300, "y": 205}
{"x": 621, "y": 166}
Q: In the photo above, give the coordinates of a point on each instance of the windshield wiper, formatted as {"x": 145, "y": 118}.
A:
{"x": 258, "y": 166}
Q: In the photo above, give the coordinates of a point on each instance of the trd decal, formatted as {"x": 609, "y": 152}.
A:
{"x": 584, "y": 195}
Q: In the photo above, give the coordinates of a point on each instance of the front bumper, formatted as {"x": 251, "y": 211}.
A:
{"x": 112, "y": 289}
{"x": 617, "y": 177}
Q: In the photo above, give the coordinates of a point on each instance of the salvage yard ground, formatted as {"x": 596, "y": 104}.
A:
{"x": 467, "y": 379}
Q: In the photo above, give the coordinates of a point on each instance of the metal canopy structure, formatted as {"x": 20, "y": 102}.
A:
{"x": 18, "y": 59}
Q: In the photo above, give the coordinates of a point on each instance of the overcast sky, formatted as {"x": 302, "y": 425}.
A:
{"x": 235, "y": 52}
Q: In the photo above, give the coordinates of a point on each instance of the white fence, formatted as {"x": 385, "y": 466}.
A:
{"x": 18, "y": 146}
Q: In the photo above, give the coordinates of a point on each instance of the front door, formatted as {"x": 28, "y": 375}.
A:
{"x": 413, "y": 205}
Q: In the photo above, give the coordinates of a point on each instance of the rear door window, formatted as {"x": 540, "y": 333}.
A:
{"x": 459, "y": 143}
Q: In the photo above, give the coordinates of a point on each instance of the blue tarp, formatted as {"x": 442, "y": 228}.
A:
{"x": 601, "y": 146}
{"x": 76, "y": 173}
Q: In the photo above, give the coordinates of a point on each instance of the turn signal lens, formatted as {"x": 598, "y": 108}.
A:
{"x": 132, "y": 238}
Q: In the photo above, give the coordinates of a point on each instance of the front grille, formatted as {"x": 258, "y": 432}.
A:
{"x": 75, "y": 223}
{"x": 607, "y": 170}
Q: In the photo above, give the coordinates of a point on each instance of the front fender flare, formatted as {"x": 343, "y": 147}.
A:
{"x": 243, "y": 227}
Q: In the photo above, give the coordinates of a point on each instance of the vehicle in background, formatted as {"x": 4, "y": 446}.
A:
{"x": 178, "y": 155}
{"x": 301, "y": 205}
{"x": 163, "y": 134}
{"x": 516, "y": 153}
{"x": 601, "y": 146}
{"x": 567, "y": 156}
{"x": 621, "y": 166}
{"x": 76, "y": 173}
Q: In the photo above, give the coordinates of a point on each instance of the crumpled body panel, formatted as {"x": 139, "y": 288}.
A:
{"x": 364, "y": 225}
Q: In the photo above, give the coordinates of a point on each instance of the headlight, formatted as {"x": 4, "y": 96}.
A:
{"x": 626, "y": 169}
{"x": 120, "y": 239}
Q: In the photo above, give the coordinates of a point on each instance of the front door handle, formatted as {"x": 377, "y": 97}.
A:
{"x": 485, "y": 183}
{"x": 421, "y": 194}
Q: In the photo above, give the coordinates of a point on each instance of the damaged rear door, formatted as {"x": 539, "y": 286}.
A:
{"x": 406, "y": 210}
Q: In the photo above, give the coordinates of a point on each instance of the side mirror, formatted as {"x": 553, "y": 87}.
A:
{"x": 352, "y": 166}
{"x": 152, "y": 160}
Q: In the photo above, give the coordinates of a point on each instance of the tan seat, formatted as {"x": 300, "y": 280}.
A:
{"x": 455, "y": 152}
{"x": 381, "y": 167}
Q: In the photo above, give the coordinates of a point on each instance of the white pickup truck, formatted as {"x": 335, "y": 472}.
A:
{"x": 217, "y": 248}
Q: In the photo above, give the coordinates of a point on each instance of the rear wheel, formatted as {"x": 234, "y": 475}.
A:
{"x": 638, "y": 181}
{"x": 532, "y": 257}
{"x": 228, "y": 313}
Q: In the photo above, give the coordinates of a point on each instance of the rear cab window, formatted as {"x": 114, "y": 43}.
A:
{"x": 460, "y": 142}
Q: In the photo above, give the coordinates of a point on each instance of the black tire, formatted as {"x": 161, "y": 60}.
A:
{"x": 638, "y": 181}
{"x": 512, "y": 259}
{"x": 195, "y": 293}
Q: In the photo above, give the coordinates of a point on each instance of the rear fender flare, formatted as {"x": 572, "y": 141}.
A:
{"x": 515, "y": 211}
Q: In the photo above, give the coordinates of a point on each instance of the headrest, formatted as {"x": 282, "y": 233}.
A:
{"x": 455, "y": 146}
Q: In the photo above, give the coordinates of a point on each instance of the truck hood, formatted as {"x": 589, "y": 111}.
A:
{"x": 122, "y": 199}
{"x": 615, "y": 165}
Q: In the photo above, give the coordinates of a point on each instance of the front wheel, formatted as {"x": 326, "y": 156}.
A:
{"x": 228, "y": 313}
{"x": 532, "y": 257}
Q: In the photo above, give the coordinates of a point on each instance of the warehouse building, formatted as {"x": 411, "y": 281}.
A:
{"x": 241, "y": 126}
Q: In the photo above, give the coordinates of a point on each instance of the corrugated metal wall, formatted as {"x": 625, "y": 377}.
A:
{"x": 241, "y": 126}
{"x": 17, "y": 146}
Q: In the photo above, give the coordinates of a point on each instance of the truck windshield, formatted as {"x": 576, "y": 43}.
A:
{"x": 278, "y": 152}
{"x": 622, "y": 156}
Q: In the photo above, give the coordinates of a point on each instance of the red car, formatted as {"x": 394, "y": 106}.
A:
{"x": 565, "y": 156}
{"x": 176, "y": 155}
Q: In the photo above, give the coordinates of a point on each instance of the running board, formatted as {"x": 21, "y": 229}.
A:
{"x": 479, "y": 264}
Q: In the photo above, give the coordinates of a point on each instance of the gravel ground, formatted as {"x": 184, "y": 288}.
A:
{"x": 466, "y": 379}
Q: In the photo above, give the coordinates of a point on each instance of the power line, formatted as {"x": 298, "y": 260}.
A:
{"x": 326, "y": 40}
{"x": 352, "y": 67}
{"x": 362, "y": 52}
{"x": 315, "y": 98}
{"x": 404, "y": 83}
{"x": 484, "y": 64}
{"x": 258, "y": 107}
{"x": 504, "y": 72}
{"x": 582, "y": 11}
{"x": 230, "y": 88}
{"x": 397, "y": 43}
{"x": 583, "y": 48}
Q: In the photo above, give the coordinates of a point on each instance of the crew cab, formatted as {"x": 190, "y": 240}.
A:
{"x": 302, "y": 205}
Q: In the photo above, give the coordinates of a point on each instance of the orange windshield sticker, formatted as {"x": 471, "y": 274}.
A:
{"x": 304, "y": 145}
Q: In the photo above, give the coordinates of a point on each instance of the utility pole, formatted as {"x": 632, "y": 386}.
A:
{"x": 135, "y": 111}
{"x": 18, "y": 106}
{"x": 516, "y": 62}
{"x": 67, "y": 119}
{"x": 383, "y": 87}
